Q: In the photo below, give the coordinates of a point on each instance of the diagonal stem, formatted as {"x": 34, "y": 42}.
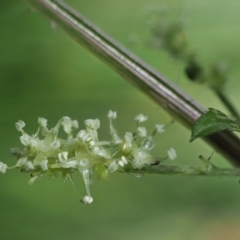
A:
{"x": 171, "y": 98}
{"x": 226, "y": 101}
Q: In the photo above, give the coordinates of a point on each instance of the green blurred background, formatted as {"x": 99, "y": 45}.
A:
{"x": 44, "y": 73}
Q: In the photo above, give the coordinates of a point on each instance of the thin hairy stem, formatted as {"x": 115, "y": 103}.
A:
{"x": 187, "y": 171}
{"x": 171, "y": 98}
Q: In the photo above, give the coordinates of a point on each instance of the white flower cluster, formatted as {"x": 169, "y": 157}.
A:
{"x": 50, "y": 154}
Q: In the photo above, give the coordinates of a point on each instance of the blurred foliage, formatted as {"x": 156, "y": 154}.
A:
{"x": 171, "y": 35}
{"x": 45, "y": 74}
{"x": 211, "y": 122}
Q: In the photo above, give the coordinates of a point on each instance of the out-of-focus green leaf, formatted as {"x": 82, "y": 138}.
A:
{"x": 211, "y": 122}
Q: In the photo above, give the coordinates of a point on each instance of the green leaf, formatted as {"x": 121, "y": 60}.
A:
{"x": 211, "y": 122}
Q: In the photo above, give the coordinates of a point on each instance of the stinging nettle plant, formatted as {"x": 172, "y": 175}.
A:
{"x": 46, "y": 153}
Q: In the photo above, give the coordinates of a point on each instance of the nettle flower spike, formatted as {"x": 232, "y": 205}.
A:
{"x": 46, "y": 153}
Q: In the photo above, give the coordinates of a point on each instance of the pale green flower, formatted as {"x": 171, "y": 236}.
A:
{"x": 97, "y": 150}
{"x": 140, "y": 159}
{"x": 160, "y": 128}
{"x": 142, "y": 132}
{"x": 112, "y": 115}
{"x": 68, "y": 124}
{"x": 21, "y": 161}
{"x": 3, "y": 167}
{"x": 42, "y": 122}
{"x": 25, "y": 139}
{"x": 55, "y": 144}
{"x": 63, "y": 156}
{"x": 128, "y": 137}
{"x": 75, "y": 124}
{"x": 92, "y": 123}
{"x": 84, "y": 135}
{"x": 172, "y": 154}
{"x": 20, "y": 125}
{"x": 141, "y": 118}
{"x": 124, "y": 160}
{"x": 113, "y": 166}
{"x": 87, "y": 200}
{"x": 44, "y": 165}
{"x": 28, "y": 166}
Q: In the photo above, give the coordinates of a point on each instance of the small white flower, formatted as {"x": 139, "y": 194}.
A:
{"x": 138, "y": 163}
{"x": 84, "y": 135}
{"x": 63, "y": 157}
{"x": 87, "y": 200}
{"x": 92, "y": 123}
{"x": 142, "y": 132}
{"x": 99, "y": 151}
{"x": 127, "y": 147}
{"x": 84, "y": 162}
{"x": 42, "y": 122}
{"x": 44, "y": 165}
{"x": 113, "y": 166}
{"x": 141, "y": 118}
{"x": 140, "y": 159}
{"x": 67, "y": 124}
{"x": 33, "y": 142}
{"x": 25, "y": 139}
{"x": 3, "y": 167}
{"x": 124, "y": 160}
{"x": 21, "y": 161}
{"x": 112, "y": 115}
{"x": 55, "y": 144}
{"x": 20, "y": 125}
{"x": 160, "y": 128}
{"x": 29, "y": 165}
{"x": 172, "y": 154}
{"x": 120, "y": 163}
{"x": 75, "y": 124}
{"x": 128, "y": 137}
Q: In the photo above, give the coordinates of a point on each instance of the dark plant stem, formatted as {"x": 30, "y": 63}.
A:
{"x": 178, "y": 104}
{"x": 227, "y": 102}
